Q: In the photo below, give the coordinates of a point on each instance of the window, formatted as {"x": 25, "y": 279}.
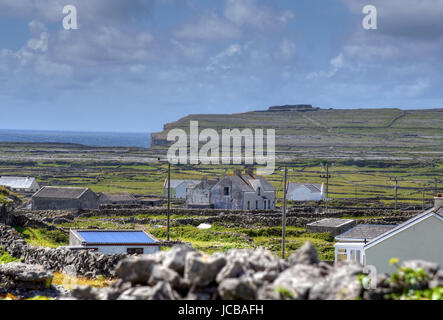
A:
{"x": 342, "y": 255}
{"x": 226, "y": 191}
{"x": 259, "y": 191}
{"x": 134, "y": 250}
{"x": 249, "y": 205}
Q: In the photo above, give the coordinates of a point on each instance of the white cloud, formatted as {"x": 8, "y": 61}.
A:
{"x": 335, "y": 63}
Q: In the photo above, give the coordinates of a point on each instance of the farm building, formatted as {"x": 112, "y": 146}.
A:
{"x": 199, "y": 195}
{"x": 123, "y": 198}
{"x": 418, "y": 238}
{"x": 63, "y": 198}
{"x": 334, "y": 226}
{"x": 114, "y": 241}
{"x": 305, "y": 192}
{"x": 20, "y": 184}
{"x": 178, "y": 188}
{"x": 243, "y": 192}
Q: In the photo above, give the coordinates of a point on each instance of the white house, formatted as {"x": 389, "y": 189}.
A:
{"x": 20, "y": 184}
{"x": 178, "y": 187}
{"x": 114, "y": 241}
{"x": 305, "y": 192}
{"x": 418, "y": 238}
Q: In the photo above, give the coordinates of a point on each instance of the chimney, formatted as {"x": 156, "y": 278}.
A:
{"x": 438, "y": 201}
{"x": 249, "y": 171}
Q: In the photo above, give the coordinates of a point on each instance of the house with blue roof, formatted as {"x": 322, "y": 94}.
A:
{"x": 114, "y": 241}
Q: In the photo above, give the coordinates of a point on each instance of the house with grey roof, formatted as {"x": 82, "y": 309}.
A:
{"x": 64, "y": 198}
{"x": 178, "y": 187}
{"x": 20, "y": 184}
{"x": 113, "y": 241}
{"x": 199, "y": 195}
{"x": 120, "y": 198}
{"x": 243, "y": 192}
{"x": 417, "y": 238}
{"x": 305, "y": 192}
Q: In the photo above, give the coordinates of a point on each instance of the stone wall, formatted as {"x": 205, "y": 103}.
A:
{"x": 85, "y": 263}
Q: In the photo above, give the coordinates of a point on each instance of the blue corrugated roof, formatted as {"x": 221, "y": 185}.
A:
{"x": 116, "y": 237}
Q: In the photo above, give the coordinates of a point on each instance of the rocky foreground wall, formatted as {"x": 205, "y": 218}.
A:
{"x": 85, "y": 263}
{"x": 240, "y": 274}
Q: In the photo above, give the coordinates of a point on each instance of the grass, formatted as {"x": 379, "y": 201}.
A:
{"x": 5, "y": 257}
{"x": 69, "y": 282}
{"x": 43, "y": 237}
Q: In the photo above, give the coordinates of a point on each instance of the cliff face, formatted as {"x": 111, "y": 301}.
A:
{"x": 310, "y": 132}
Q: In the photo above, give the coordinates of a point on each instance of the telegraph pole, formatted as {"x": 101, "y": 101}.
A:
{"x": 327, "y": 176}
{"x": 283, "y": 231}
{"x": 169, "y": 196}
{"x": 436, "y": 182}
{"x": 395, "y": 179}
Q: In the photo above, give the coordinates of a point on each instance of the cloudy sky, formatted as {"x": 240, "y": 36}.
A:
{"x": 134, "y": 65}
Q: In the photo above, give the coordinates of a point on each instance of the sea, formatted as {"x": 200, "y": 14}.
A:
{"x": 93, "y": 139}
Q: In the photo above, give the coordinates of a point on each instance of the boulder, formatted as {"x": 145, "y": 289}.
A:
{"x": 201, "y": 270}
{"x": 306, "y": 254}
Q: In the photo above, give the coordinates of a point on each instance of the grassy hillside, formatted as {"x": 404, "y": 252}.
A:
{"x": 335, "y": 133}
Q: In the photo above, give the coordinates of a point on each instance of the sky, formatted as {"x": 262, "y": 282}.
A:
{"x": 134, "y": 65}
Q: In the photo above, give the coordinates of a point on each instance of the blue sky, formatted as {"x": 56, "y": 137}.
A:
{"x": 136, "y": 65}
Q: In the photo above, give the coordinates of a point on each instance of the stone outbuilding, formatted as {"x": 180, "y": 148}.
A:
{"x": 64, "y": 198}
{"x": 199, "y": 195}
{"x": 122, "y": 198}
{"x": 334, "y": 226}
{"x": 178, "y": 188}
{"x": 243, "y": 192}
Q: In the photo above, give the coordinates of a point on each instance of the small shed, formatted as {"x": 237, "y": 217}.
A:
{"x": 20, "y": 184}
{"x": 334, "y": 226}
{"x": 122, "y": 198}
{"x": 64, "y": 198}
{"x": 178, "y": 188}
{"x": 114, "y": 241}
{"x": 305, "y": 192}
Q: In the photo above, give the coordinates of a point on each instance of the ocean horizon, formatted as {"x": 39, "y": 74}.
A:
{"x": 92, "y": 139}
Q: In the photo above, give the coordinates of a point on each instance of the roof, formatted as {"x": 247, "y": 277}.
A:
{"x": 364, "y": 232}
{"x": 436, "y": 211}
{"x": 313, "y": 187}
{"x": 331, "y": 222}
{"x": 17, "y": 182}
{"x": 117, "y": 197}
{"x": 248, "y": 183}
{"x": 60, "y": 193}
{"x": 176, "y": 183}
{"x": 115, "y": 237}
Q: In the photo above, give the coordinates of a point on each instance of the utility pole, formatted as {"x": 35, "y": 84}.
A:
{"x": 395, "y": 179}
{"x": 283, "y": 231}
{"x": 327, "y": 176}
{"x": 436, "y": 182}
{"x": 169, "y": 196}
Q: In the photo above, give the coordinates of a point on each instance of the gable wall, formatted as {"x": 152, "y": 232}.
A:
{"x": 421, "y": 241}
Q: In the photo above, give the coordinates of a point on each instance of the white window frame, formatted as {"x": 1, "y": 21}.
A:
{"x": 349, "y": 247}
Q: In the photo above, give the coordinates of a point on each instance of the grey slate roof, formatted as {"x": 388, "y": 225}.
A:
{"x": 60, "y": 193}
{"x": 116, "y": 197}
{"x": 17, "y": 182}
{"x": 438, "y": 211}
{"x": 330, "y": 222}
{"x": 175, "y": 183}
{"x": 365, "y": 232}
